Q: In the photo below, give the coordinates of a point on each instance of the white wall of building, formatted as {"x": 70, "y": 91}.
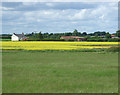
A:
{"x": 14, "y": 38}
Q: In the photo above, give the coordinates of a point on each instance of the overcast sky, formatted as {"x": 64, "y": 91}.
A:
{"x": 57, "y": 17}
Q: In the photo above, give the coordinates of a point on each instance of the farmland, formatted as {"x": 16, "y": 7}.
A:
{"x": 28, "y": 69}
{"x": 52, "y": 45}
{"x": 59, "y": 72}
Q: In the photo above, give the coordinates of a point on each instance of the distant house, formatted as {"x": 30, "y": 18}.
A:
{"x": 18, "y": 37}
{"x": 114, "y": 37}
{"x": 73, "y": 37}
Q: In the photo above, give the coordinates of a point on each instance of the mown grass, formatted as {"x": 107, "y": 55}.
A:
{"x": 59, "y": 72}
{"x": 5, "y": 39}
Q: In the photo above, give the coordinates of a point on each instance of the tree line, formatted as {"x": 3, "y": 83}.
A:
{"x": 96, "y": 36}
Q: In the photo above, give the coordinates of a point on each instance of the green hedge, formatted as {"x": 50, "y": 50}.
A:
{"x": 113, "y": 49}
{"x": 102, "y": 40}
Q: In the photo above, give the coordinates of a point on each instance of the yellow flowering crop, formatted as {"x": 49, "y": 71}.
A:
{"x": 53, "y": 45}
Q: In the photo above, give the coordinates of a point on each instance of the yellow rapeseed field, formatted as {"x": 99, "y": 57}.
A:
{"x": 52, "y": 45}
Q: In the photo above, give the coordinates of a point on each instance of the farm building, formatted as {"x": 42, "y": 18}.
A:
{"x": 114, "y": 37}
{"x": 73, "y": 37}
{"x": 18, "y": 37}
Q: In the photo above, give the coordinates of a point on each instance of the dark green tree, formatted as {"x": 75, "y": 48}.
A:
{"x": 32, "y": 33}
{"x": 75, "y": 33}
{"x": 98, "y": 33}
{"x": 84, "y": 34}
{"x": 40, "y": 35}
{"x": 118, "y": 33}
{"x": 68, "y": 34}
{"x": 108, "y": 35}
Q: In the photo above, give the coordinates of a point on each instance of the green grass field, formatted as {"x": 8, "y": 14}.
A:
{"x": 5, "y": 39}
{"x": 59, "y": 72}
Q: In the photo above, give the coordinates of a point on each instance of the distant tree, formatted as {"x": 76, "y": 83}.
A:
{"x": 45, "y": 35}
{"x": 98, "y": 33}
{"x": 118, "y": 33}
{"x": 32, "y": 33}
{"x": 68, "y": 34}
{"x": 75, "y": 33}
{"x": 79, "y": 34}
{"x": 40, "y": 36}
{"x": 84, "y": 34}
{"x": 91, "y": 34}
{"x": 51, "y": 34}
{"x": 103, "y": 33}
{"x": 108, "y": 35}
{"x": 88, "y": 36}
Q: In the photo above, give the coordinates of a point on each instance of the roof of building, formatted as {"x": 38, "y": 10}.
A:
{"x": 112, "y": 35}
{"x": 20, "y": 35}
{"x": 70, "y": 37}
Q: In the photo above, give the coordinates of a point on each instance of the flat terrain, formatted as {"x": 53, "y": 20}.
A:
{"x": 59, "y": 72}
{"x": 53, "y": 45}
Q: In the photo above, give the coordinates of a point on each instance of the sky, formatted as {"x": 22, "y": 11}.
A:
{"x": 59, "y": 17}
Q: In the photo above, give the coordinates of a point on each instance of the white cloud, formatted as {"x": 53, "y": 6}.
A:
{"x": 112, "y": 4}
{"x": 74, "y": 22}
{"x": 40, "y": 20}
{"x": 29, "y": 3}
{"x": 99, "y": 11}
{"x": 102, "y": 17}
{"x": 48, "y": 12}
{"x": 80, "y": 15}
{"x": 50, "y": 4}
{"x": 5, "y": 8}
{"x": 61, "y": 0}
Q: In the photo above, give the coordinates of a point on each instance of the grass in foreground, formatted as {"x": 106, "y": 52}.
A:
{"x": 59, "y": 72}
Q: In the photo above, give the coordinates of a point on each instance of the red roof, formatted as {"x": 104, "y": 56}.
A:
{"x": 112, "y": 35}
{"x": 69, "y": 37}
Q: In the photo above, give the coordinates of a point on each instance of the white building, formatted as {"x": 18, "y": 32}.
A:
{"x": 18, "y": 37}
